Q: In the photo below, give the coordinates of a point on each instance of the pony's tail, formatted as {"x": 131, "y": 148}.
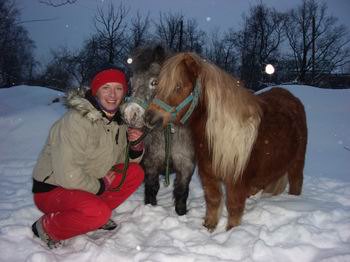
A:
{"x": 277, "y": 187}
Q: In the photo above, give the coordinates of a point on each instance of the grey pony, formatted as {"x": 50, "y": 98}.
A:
{"x": 145, "y": 68}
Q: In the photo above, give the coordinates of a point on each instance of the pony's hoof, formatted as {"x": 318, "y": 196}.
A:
{"x": 181, "y": 211}
{"x": 229, "y": 227}
{"x": 152, "y": 201}
{"x": 233, "y": 223}
{"x": 210, "y": 227}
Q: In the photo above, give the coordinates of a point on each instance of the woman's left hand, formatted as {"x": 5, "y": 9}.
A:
{"x": 134, "y": 133}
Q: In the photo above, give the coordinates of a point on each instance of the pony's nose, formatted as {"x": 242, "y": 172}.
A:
{"x": 152, "y": 119}
{"x": 133, "y": 116}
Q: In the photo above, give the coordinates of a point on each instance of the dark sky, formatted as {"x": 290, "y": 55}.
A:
{"x": 71, "y": 24}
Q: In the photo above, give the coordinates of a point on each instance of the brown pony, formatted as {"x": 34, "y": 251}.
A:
{"x": 247, "y": 142}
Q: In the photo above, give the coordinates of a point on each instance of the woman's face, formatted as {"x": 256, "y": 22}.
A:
{"x": 110, "y": 95}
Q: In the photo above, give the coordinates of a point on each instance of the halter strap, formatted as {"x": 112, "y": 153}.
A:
{"x": 139, "y": 101}
{"x": 167, "y": 135}
{"x": 193, "y": 98}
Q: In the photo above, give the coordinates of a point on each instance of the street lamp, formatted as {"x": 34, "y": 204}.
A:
{"x": 269, "y": 69}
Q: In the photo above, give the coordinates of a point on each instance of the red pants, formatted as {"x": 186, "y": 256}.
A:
{"x": 68, "y": 213}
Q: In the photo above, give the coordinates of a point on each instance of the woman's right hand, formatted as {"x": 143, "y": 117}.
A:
{"x": 108, "y": 179}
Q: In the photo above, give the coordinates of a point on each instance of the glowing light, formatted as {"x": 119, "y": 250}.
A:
{"x": 129, "y": 61}
{"x": 269, "y": 69}
{"x": 208, "y": 18}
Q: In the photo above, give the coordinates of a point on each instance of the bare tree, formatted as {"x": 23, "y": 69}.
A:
{"x": 259, "y": 42}
{"x": 107, "y": 46}
{"x": 16, "y": 48}
{"x": 139, "y": 31}
{"x": 111, "y": 31}
{"x": 89, "y": 60}
{"x": 221, "y": 51}
{"x": 317, "y": 43}
{"x": 193, "y": 38}
{"x": 168, "y": 30}
{"x": 69, "y": 69}
{"x": 178, "y": 34}
{"x": 57, "y": 3}
{"x": 60, "y": 72}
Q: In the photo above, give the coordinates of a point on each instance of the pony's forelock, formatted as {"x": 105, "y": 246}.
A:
{"x": 170, "y": 75}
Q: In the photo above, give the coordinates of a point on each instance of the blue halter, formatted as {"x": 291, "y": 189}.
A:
{"x": 193, "y": 98}
{"x": 139, "y": 101}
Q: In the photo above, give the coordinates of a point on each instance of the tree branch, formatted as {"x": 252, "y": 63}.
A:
{"x": 58, "y": 2}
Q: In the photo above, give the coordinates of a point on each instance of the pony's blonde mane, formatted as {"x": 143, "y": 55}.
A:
{"x": 233, "y": 113}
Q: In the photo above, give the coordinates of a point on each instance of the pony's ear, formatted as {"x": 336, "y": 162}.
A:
{"x": 154, "y": 68}
{"x": 192, "y": 65}
{"x": 159, "y": 54}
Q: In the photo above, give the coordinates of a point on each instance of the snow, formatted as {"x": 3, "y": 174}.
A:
{"x": 312, "y": 227}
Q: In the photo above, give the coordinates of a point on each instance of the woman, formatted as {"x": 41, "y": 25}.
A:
{"x": 78, "y": 172}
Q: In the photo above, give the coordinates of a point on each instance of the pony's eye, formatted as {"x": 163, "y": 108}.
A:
{"x": 154, "y": 82}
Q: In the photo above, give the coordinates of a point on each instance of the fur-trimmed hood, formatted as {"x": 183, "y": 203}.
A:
{"x": 82, "y": 145}
{"x": 82, "y": 102}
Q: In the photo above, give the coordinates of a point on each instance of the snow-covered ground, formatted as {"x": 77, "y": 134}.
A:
{"x": 312, "y": 227}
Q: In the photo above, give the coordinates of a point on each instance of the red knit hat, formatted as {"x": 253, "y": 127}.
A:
{"x": 107, "y": 76}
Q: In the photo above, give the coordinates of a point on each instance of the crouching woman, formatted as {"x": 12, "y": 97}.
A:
{"x": 78, "y": 179}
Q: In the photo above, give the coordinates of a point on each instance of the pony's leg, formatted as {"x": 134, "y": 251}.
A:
{"x": 277, "y": 187}
{"x": 181, "y": 188}
{"x": 213, "y": 197}
{"x": 295, "y": 177}
{"x": 151, "y": 188}
{"x": 236, "y": 195}
{"x": 295, "y": 172}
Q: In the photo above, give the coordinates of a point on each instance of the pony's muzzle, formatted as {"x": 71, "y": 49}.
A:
{"x": 152, "y": 119}
{"x": 133, "y": 115}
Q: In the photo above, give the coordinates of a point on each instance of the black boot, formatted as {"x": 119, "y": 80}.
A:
{"x": 110, "y": 225}
{"x": 39, "y": 232}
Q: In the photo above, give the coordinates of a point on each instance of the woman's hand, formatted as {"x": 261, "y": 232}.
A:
{"x": 108, "y": 179}
{"x": 133, "y": 135}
